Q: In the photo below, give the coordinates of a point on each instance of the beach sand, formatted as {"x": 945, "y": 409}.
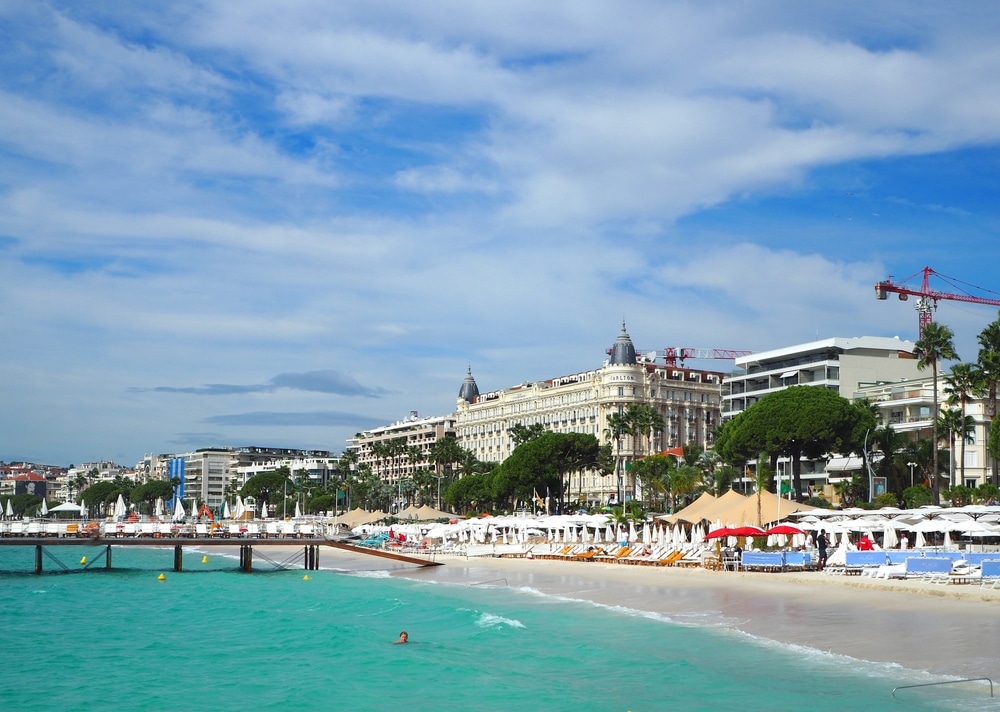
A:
{"x": 943, "y": 629}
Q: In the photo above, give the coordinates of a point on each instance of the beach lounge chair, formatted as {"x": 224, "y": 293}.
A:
{"x": 235, "y": 530}
{"x": 990, "y": 573}
{"x": 857, "y": 561}
{"x": 33, "y": 529}
{"x": 253, "y": 530}
{"x": 288, "y": 530}
{"x": 307, "y": 530}
{"x": 200, "y": 530}
{"x": 923, "y": 566}
{"x": 17, "y": 528}
{"x": 272, "y": 530}
{"x": 72, "y": 529}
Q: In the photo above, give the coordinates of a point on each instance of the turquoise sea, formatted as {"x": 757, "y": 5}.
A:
{"x": 214, "y": 638}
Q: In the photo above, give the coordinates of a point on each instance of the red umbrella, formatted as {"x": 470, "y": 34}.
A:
{"x": 724, "y": 531}
{"x": 784, "y": 529}
{"x": 747, "y": 531}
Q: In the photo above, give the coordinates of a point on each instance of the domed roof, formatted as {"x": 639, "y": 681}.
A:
{"x": 470, "y": 391}
{"x": 623, "y": 352}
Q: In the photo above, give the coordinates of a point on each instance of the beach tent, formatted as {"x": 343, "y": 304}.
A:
{"x": 65, "y": 507}
{"x": 426, "y": 513}
{"x": 713, "y": 509}
{"x": 691, "y": 513}
{"x": 410, "y": 512}
{"x": 772, "y": 509}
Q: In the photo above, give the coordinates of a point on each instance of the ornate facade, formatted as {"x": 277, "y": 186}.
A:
{"x": 688, "y": 399}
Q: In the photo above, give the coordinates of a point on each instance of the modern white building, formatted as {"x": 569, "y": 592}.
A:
{"x": 688, "y": 399}
{"x": 417, "y": 436}
{"x": 908, "y": 405}
{"x": 839, "y": 363}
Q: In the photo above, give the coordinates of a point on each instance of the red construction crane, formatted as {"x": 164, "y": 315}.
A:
{"x": 927, "y": 298}
{"x": 674, "y": 353}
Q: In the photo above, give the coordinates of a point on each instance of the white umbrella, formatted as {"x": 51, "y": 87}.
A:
{"x": 120, "y": 507}
{"x": 298, "y": 511}
{"x": 631, "y": 532}
{"x": 10, "y": 510}
{"x": 920, "y": 540}
{"x": 179, "y": 512}
{"x": 45, "y": 507}
{"x": 609, "y": 534}
{"x": 263, "y": 510}
{"x": 226, "y": 514}
{"x": 158, "y": 511}
{"x": 889, "y": 538}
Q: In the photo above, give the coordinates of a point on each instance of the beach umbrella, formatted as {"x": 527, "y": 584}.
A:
{"x": 120, "y": 510}
{"x": 45, "y": 507}
{"x": 609, "y": 534}
{"x": 179, "y": 512}
{"x": 631, "y": 531}
{"x": 719, "y": 533}
{"x": 889, "y": 538}
{"x": 225, "y": 510}
{"x": 784, "y": 529}
{"x": 10, "y": 510}
{"x": 263, "y": 510}
{"x": 947, "y": 538}
{"x": 158, "y": 511}
{"x": 298, "y": 511}
{"x": 920, "y": 540}
{"x": 83, "y": 509}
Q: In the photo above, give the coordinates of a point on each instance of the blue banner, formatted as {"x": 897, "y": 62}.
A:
{"x": 175, "y": 468}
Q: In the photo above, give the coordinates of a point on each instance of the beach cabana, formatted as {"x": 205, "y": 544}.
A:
{"x": 691, "y": 513}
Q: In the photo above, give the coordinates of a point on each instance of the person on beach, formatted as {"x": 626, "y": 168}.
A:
{"x": 821, "y": 545}
{"x": 865, "y": 544}
{"x": 904, "y": 542}
{"x": 404, "y": 637}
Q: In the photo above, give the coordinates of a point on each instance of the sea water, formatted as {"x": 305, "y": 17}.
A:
{"x": 214, "y": 638}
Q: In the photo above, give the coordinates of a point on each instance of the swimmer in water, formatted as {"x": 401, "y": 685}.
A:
{"x": 403, "y": 638}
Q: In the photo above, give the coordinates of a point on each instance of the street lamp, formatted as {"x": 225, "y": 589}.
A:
{"x": 911, "y": 465}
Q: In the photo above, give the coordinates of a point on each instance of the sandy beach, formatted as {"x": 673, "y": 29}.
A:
{"x": 943, "y": 629}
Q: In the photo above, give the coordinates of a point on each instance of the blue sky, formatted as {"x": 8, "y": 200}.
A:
{"x": 281, "y": 223}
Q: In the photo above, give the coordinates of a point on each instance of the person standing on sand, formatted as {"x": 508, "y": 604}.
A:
{"x": 821, "y": 545}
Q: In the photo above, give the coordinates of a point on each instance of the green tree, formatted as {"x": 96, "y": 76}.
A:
{"x": 645, "y": 421}
{"x": 918, "y": 496}
{"x": 267, "y": 485}
{"x": 683, "y": 482}
{"x": 653, "y": 473}
{"x": 149, "y": 492}
{"x": 964, "y": 382}
{"x": 936, "y": 344}
{"x": 521, "y": 433}
{"x": 540, "y": 465}
{"x": 618, "y": 427}
{"x": 988, "y": 364}
{"x": 952, "y": 425}
{"x": 797, "y": 421}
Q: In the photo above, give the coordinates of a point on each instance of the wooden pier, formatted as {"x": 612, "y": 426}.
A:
{"x": 310, "y": 549}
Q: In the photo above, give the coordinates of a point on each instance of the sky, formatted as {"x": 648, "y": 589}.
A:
{"x": 279, "y": 224}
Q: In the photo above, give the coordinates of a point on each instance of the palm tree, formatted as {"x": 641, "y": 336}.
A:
{"x": 936, "y": 344}
{"x": 989, "y": 366}
{"x": 618, "y": 427}
{"x": 964, "y": 382}
{"x": 948, "y": 422}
